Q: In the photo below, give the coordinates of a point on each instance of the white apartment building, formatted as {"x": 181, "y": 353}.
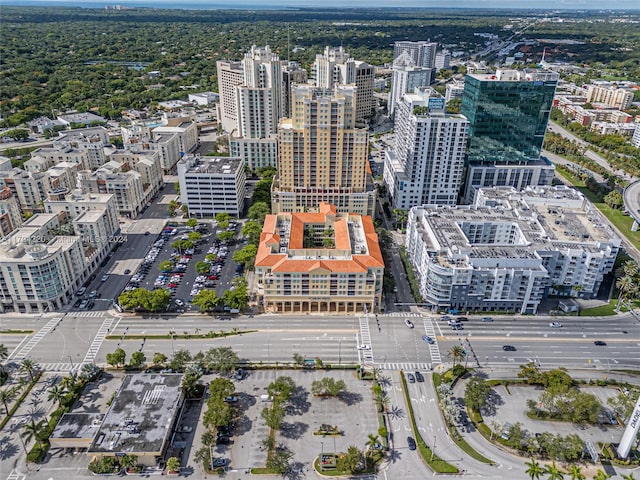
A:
{"x": 610, "y": 95}
{"x": 186, "y": 130}
{"x": 422, "y": 53}
{"x": 44, "y": 158}
{"x": 147, "y": 164}
{"x": 336, "y": 67}
{"x": 453, "y": 90}
{"x": 169, "y": 139}
{"x": 443, "y": 60}
{"x": 10, "y": 215}
{"x": 510, "y": 250}
{"x": 426, "y": 162}
{"x": 406, "y": 78}
{"x": 255, "y": 152}
{"x": 211, "y": 185}
{"x": 635, "y": 140}
{"x": 30, "y": 189}
{"x": 126, "y": 187}
{"x": 230, "y": 75}
{"x": 38, "y": 271}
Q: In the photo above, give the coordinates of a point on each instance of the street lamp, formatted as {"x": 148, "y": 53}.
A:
{"x": 339, "y": 351}
{"x": 321, "y": 455}
{"x": 433, "y": 451}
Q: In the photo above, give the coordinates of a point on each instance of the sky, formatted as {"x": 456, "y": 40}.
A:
{"x": 256, "y": 4}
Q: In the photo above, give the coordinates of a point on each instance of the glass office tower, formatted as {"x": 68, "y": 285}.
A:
{"x": 508, "y": 114}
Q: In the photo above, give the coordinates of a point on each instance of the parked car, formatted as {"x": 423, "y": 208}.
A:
{"x": 411, "y": 378}
{"x": 218, "y": 462}
{"x": 411, "y": 442}
{"x": 81, "y": 291}
{"x": 104, "y": 278}
{"x": 419, "y": 377}
{"x": 231, "y": 399}
{"x": 185, "y": 429}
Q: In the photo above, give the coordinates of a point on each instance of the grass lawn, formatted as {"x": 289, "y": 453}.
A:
{"x": 616, "y": 217}
{"x": 601, "y": 311}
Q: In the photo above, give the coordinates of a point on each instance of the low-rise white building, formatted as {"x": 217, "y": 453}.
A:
{"x": 39, "y": 271}
{"x": 510, "y": 249}
{"x": 211, "y": 185}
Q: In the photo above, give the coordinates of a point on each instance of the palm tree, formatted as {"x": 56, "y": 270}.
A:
{"x": 173, "y": 464}
{"x": 31, "y": 431}
{"x": 575, "y": 472}
{"x": 535, "y": 469}
{"x": 554, "y": 472}
{"x": 7, "y": 396}
{"x": 456, "y": 353}
{"x": 628, "y": 477}
{"x": 372, "y": 441}
{"x": 68, "y": 382}
{"x": 128, "y": 461}
{"x": 57, "y": 394}
{"x": 28, "y": 366}
{"x": 601, "y": 475}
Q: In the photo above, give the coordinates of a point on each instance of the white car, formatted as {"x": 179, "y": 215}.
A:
{"x": 555, "y": 325}
{"x": 364, "y": 347}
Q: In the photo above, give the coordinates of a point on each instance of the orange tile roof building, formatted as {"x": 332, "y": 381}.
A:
{"x": 319, "y": 262}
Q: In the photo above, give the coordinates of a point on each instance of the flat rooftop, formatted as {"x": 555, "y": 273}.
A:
{"x": 212, "y": 165}
{"x": 78, "y": 425}
{"x": 141, "y": 415}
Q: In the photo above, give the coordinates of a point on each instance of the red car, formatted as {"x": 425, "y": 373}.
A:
{"x": 172, "y": 285}
{"x": 212, "y": 277}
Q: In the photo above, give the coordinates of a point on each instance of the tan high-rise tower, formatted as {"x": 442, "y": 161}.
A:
{"x": 322, "y": 156}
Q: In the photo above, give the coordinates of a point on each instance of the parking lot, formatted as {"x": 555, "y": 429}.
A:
{"x": 182, "y": 279}
{"x": 354, "y": 414}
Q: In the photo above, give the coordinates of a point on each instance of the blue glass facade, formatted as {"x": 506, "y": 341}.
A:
{"x": 507, "y": 118}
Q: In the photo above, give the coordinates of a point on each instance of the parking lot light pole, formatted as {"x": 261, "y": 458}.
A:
{"x": 321, "y": 455}
{"x": 339, "y": 351}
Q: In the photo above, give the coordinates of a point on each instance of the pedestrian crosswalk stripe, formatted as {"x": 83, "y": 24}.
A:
{"x": 404, "y": 366}
{"x": 89, "y": 314}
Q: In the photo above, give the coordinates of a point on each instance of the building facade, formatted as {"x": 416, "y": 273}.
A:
{"x": 426, "y": 163}
{"x": 508, "y": 114}
{"x": 406, "y": 78}
{"x": 211, "y": 185}
{"x": 230, "y": 75}
{"x": 322, "y": 156}
{"x": 319, "y": 262}
{"x": 422, "y": 53}
{"x": 10, "y": 215}
{"x": 611, "y": 95}
{"x": 510, "y": 250}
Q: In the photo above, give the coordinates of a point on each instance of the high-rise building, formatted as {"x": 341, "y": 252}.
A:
{"x": 406, "y": 78}
{"x": 610, "y": 95}
{"x": 337, "y": 67}
{"x": 291, "y": 74}
{"x": 322, "y": 156}
{"x": 262, "y": 84}
{"x": 422, "y": 53}
{"x": 426, "y": 162}
{"x": 508, "y": 113}
{"x": 230, "y": 75}
{"x": 443, "y": 60}
{"x": 10, "y": 216}
{"x": 256, "y": 88}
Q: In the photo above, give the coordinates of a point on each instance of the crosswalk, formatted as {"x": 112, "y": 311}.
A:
{"x": 404, "y": 366}
{"x": 88, "y": 314}
{"x": 434, "y": 349}
{"x": 400, "y": 314}
{"x": 365, "y": 339}
{"x": 106, "y": 327}
{"x": 33, "y": 341}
